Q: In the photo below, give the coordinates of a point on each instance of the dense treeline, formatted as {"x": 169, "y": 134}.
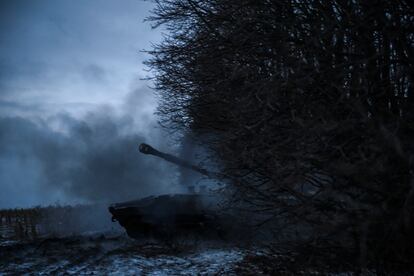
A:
{"x": 309, "y": 107}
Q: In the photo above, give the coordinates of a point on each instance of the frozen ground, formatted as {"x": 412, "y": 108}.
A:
{"x": 99, "y": 255}
{"x": 118, "y": 255}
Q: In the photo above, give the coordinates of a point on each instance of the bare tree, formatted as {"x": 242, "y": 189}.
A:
{"x": 309, "y": 106}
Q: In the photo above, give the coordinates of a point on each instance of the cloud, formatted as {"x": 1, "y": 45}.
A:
{"x": 94, "y": 72}
{"x": 72, "y": 51}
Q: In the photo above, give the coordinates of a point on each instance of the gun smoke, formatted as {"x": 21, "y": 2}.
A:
{"x": 93, "y": 159}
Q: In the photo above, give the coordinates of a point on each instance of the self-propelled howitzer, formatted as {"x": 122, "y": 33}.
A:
{"x": 170, "y": 213}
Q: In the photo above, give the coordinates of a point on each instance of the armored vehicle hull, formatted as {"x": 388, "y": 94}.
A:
{"x": 168, "y": 215}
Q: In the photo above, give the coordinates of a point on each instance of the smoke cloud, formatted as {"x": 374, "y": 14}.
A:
{"x": 73, "y": 105}
{"x": 93, "y": 159}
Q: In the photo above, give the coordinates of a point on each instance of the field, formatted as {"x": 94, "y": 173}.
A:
{"x": 83, "y": 240}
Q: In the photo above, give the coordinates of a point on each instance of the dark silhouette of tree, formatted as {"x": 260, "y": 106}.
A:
{"x": 309, "y": 107}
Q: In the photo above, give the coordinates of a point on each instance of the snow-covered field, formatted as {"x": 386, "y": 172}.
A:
{"x": 99, "y": 255}
{"x": 82, "y": 240}
{"x": 118, "y": 255}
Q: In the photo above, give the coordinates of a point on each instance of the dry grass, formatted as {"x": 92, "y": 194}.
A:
{"x": 19, "y": 224}
{"x": 38, "y": 222}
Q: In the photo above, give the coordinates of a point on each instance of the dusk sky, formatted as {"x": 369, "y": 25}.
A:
{"x": 72, "y": 55}
{"x": 73, "y": 105}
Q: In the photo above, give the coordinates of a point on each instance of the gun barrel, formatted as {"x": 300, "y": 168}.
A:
{"x": 147, "y": 149}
